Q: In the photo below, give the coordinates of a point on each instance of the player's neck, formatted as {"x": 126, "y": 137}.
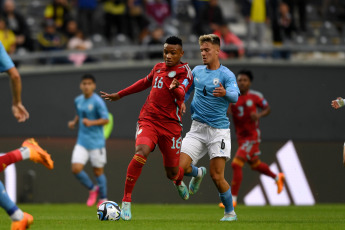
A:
{"x": 244, "y": 92}
{"x": 214, "y": 65}
{"x": 88, "y": 95}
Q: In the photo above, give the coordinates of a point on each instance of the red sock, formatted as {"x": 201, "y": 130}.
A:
{"x": 264, "y": 169}
{"x": 179, "y": 176}
{"x": 10, "y": 158}
{"x": 133, "y": 173}
{"x": 236, "y": 178}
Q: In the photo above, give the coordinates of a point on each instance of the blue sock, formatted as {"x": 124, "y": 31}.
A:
{"x": 194, "y": 171}
{"x": 102, "y": 183}
{"x": 84, "y": 179}
{"x": 5, "y": 201}
{"x": 226, "y": 198}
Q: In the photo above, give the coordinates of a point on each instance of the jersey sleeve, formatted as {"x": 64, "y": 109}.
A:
{"x": 185, "y": 83}
{"x": 261, "y": 102}
{"x": 6, "y": 62}
{"x": 138, "y": 86}
{"x": 102, "y": 110}
{"x": 232, "y": 90}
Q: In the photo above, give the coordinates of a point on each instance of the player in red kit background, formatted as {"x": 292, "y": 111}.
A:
{"x": 160, "y": 118}
{"x": 250, "y": 107}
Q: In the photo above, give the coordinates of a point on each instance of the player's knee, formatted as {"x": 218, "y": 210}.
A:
{"x": 98, "y": 171}
{"x": 76, "y": 169}
{"x": 171, "y": 175}
{"x": 254, "y": 164}
{"x": 216, "y": 176}
{"x": 237, "y": 163}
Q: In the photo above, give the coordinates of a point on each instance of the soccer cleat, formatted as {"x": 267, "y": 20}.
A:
{"x": 126, "y": 211}
{"x": 221, "y": 205}
{"x": 195, "y": 182}
{"x": 100, "y": 201}
{"x": 229, "y": 217}
{"x": 93, "y": 194}
{"x": 24, "y": 223}
{"x": 37, "y": 154}
{"x": 182, "y": 190}
{"x": 280, "y": 182}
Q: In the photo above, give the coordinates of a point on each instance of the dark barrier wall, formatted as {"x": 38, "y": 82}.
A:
{"x": 299, "y": 95}
{"x": 321, "y": 162}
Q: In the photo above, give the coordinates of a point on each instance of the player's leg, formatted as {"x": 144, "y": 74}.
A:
{"x": 80, "y": 156}
{"x": 20, "y": 220}
{"x": 217, "y": 166}
{"x": 344, "y": 155}
{"x": 237, "y": 176}
{"x": 98, "y": 158}
{"x": 30, "y": 150}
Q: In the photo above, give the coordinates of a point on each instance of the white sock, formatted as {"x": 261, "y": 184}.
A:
{"x": 277, "y": 178}
{"x": 234, "y": 198}
{"x": 17, "y": 215}
{"x": 25, "y": 151}
{"x": 199, "y": 172}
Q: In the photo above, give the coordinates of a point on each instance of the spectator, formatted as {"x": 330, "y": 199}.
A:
{"x": 115, "y": 18}
{"x": 86, "y": 12}
{"x": 210, "y": 18}
{"x": 256, "y": 14}
{"x": 198, "y": 5}
{"x": 158, "y": 11}
{"x": 51, "y": 40}
{"x": 71, "y": 28}
{"x": 227, "y": 38}
{"x": 17, "y": 23}
{"x": 156, "y": 39}
{"x": 138, "y": 21}
{"x": 59, "y": 12}
{"x": 7, "y": 37}
{"x": 79, "y": 42}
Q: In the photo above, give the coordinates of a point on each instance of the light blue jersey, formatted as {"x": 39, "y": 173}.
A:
{"x": 207, "y": 108}
{"x": 6, "y": 62}
{"x": 92, "y": 108}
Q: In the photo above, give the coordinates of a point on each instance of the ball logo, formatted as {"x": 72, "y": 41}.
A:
{"x": 172, "y": 74}
{"x": 249, "y": 103}
{"x": 216, "y": 81}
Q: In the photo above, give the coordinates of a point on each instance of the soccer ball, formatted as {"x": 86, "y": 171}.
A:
{"x": 109, "y": 210}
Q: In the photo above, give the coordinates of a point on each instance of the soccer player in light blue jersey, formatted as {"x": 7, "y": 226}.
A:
{"x": 30, "y": 149}
{"x": 92, "y": 115}
{"x": 214, "y": 88}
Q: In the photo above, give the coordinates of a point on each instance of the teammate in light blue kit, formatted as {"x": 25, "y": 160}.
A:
{"x": 215, "y": 87}
{"x": 92, "y": 115}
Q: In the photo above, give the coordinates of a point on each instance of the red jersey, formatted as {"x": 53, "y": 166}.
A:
{"x": 163, "y": 103}
{"x": 246, "y": 128}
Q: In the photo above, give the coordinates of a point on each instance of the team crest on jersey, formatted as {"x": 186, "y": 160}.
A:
{"x": 90, "y": 107}
{"x": 249, "y": 103}
{"x": 215, "y": 81}
{"x": 172, "y": 74}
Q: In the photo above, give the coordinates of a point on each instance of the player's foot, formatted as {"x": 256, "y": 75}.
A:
{"x": 182, "y": 191}
{"x": 100, "y": 201}
{"x": 229, "y": 217}
{"x": 126, "y": 211}
{"x": 221, "y": 205}
{"x": 93, "y": 194}
{"x": 24, "y": 223}
{"x": 280, "y": 182}
{"x": 195, "y": 182}
{"x": 37, "y": 154}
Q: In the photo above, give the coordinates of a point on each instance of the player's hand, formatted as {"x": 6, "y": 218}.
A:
{"x": 174, "y": 84}
{"x": 219, "y": 91}
{"x": 87, "y": 122}
{"x": 19, "y": 112}
{"x": 254, "y": 116}
{"x": 110, "y": 97}
{"x": 335, "y": 103}
{"x": 183, "y": 108}
{"x": 71, "y": 124}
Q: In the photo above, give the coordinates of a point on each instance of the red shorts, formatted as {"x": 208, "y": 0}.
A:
{"x": 248, "y": 150}
{"x": 166, "y": 134}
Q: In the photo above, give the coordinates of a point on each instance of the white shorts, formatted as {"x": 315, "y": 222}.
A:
{"x": 98, "y": 157}
{"x": 202, "y": 139}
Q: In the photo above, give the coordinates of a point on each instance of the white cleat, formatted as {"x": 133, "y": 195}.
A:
{"x": 229, "y": 216}
{"x": 126, "y": 211}
{"x": 182, "y": 191}
{"x": 195, "y": 182}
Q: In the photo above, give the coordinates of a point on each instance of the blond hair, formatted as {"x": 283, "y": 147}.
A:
{"x": 211, "y": 38}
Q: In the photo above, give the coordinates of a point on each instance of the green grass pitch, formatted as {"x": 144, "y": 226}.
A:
{"x": 174, "y": 217}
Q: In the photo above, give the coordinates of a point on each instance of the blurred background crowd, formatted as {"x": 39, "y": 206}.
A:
{"x": 275, "y": 29}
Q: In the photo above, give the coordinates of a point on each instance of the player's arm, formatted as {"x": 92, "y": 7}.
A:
{"x": 230, "y": 94}
{"x": 339, "y": 102}
{"x": 74, "y": 122}
{"x": 97, "y": 122}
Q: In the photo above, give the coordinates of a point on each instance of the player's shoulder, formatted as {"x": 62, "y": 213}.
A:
{"x": 199, "y": 68}
{"x": 97, "y": 98}
{"x": 226, "y": 71}
{"x": 255, "y": 93}
{"x": 159, "y": 65}
{"x": 79, "y": 98}
{"x": 184, "y": 69}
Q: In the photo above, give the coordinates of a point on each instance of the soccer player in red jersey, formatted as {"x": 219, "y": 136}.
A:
{"x": 336, "y": 104}
{"x": 250, "y": 107}
{"x": 160, "y": 117}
